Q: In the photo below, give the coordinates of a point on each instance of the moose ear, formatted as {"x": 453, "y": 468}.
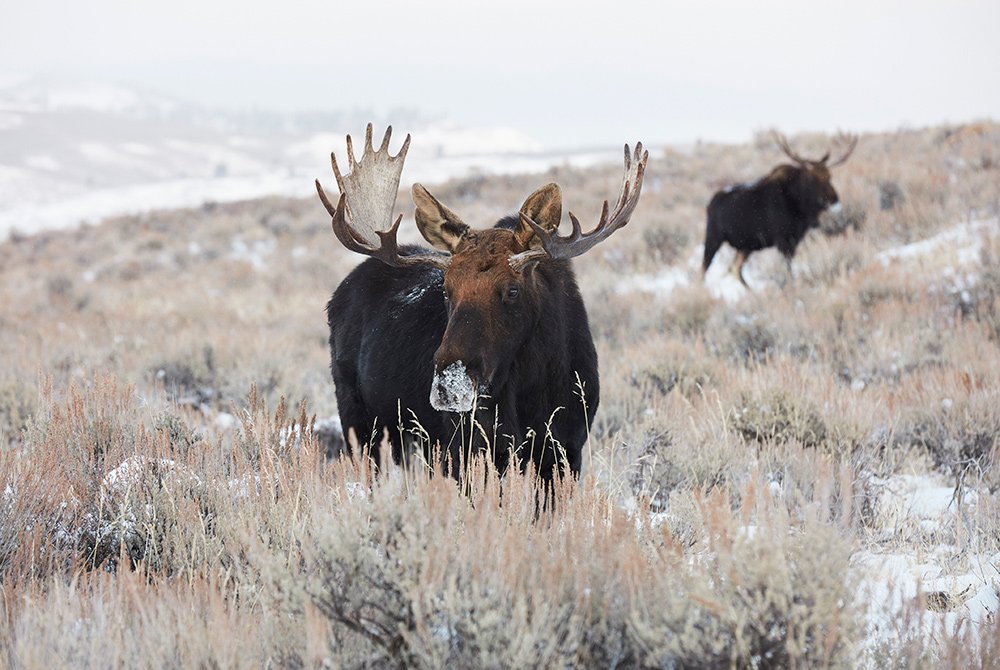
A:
{"x": 439, "y": 225}
{"x": 544, "y": 207}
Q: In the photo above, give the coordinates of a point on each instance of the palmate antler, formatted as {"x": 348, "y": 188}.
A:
{"x": 577, "y": 243}
{"x": 367, "y": 198}
{"x": 851, "y": 140}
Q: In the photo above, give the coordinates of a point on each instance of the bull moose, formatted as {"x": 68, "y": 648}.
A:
{"x": 775, "y": 211}
{"x": 481, "y": 345}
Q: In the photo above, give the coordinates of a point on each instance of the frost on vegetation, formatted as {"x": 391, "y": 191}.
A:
{"x": 134, "y": 472}
{"x": 452, "y": 389}
{"x": 126, "y": 515}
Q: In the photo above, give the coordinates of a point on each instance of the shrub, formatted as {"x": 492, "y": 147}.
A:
{"x": 778, "y": 417}
{"x": 742, "y": 337}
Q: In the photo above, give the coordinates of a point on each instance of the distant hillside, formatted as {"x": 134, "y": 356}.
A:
{"x": 73, "y": 151}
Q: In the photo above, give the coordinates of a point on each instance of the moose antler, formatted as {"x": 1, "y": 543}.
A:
{"x": 578, "y": 243}
{"x": 368, "y": 194}
{"x": 852, "y": 144}
{"x": 782, "y": 142}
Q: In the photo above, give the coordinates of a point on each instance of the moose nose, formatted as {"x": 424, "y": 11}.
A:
{"x": 452, "y": 389}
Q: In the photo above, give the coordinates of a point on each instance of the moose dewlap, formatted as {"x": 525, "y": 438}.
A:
{"x": 480, "y": 344}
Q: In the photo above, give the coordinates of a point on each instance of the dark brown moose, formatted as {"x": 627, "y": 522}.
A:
{"x": 479, "y": 345}
{"x": 775, "y": 211}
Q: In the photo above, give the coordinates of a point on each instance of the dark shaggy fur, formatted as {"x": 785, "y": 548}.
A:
{"x": 776, "y": 211}
{"x": 386, "y": 324}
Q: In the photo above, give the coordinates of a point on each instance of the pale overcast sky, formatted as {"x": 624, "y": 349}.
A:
{"x": 567, "y": 73}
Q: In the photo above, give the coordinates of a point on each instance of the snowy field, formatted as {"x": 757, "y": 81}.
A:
{"x": 802, "y": 474}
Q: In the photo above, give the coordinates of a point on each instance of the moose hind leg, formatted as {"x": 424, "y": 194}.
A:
{"x": 738, "y": 262}
{"x": 712, "y": 243}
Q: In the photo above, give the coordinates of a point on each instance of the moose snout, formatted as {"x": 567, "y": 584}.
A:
{"x": 452, "y": 388}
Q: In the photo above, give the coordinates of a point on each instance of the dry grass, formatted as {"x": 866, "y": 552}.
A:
{"x": 737, "y": 466}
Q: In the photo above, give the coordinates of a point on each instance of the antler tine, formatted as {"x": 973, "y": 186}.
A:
{"x": 852, "y": 144}
{"x": 368, "y": 196}
{"x": 351, "y": 163}
{"x": 402, "y": 152}
{"x": 782, "y": 142}
{"x": 369, "y": 149}
{"x": 325, "y": 199}
{"x": 336, "y": 170}
{"x": 577, "y": 243}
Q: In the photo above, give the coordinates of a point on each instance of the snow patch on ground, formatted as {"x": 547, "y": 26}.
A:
{"x": 920, "y": 500}
{"x": 912, "y": 585}
{"x": 965, "y": 241}
{"x": 660, "y": 284}
{"x": 909, "y": 597}
{"x": 720, "y": 282}
{"x": 99, "y": 153}
{"x": 909, "y": 588}
{"x": 957, "y": 247}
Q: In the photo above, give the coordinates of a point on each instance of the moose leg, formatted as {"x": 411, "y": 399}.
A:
{"x": 351, "y": 409}
{"x": 737, "y": 266}
{"x": 712, "y": 243}
{"x": 787, "y": 249}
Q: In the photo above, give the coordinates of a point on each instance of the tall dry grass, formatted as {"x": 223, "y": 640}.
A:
{"x": 154, "y": 511}
{"x": 257, "y": 550}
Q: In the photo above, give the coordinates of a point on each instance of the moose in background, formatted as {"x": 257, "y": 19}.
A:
{"x": 481, "y": 345}
{"x": 775, "y": 211}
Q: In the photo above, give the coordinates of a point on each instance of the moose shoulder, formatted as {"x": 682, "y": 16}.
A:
{"x": 481, "y": 344}
{"x": 776, "y": 211}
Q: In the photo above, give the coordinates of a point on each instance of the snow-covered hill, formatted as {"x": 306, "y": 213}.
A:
{"x": 73, "y": 151}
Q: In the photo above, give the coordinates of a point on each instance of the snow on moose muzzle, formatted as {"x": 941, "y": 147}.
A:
{"x": 452, "y": 389}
